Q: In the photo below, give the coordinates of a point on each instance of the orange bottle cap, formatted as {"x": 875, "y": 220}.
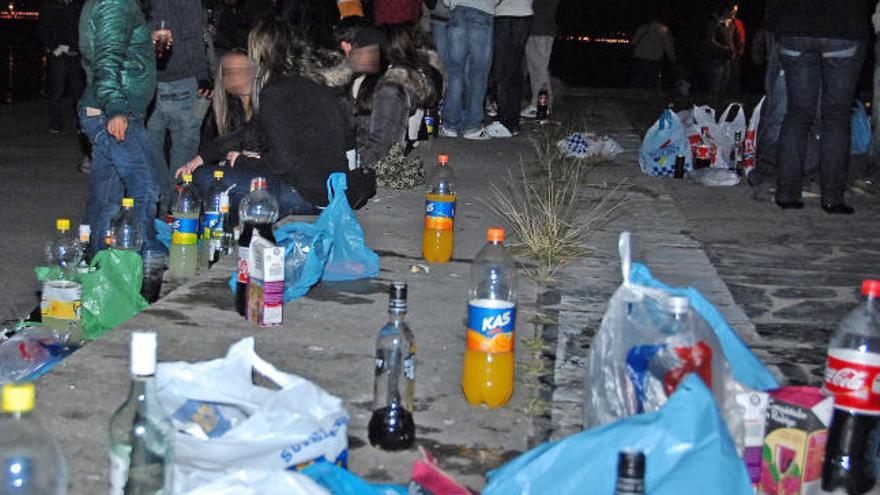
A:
{"x": 871, "y": 288}
{"x": 495, "y": 234}
{"x": 443, "y": 159}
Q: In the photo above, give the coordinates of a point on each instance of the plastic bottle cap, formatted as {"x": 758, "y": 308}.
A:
{"x": 678, "y": 305}
{"x": 495, "y": 234}
{"x": 187, "y": 178}
{"x": 218, "y": 174}
{"x": 871, "y": 288}
{"x": 127, "y": 203}
{"x": 442, "y": 159}
{"x": 397, "y": 295}
{"x": 143, "y": 353}
{"x": 18, "y": 398}
{"x": 631, "y": 464}
{"x": 62, "y": 224}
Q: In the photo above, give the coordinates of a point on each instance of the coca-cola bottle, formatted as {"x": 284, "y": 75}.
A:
{"x": 852, "y": 376}
{"x": 705, "y": 150}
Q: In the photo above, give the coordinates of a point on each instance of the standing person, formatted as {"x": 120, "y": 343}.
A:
{"x": 718, "y": 51}
{"x": 440, "y": 27}
{"x": 120, "y": 65}
{"x": 739, "y": 50}
{"x": 513, "y": 21}
{"x": 183, "y": 92}
{"x": 391, "y": 12}
{"x": 651, "y": 43}
{"x": 821, "y": 50}
{"x": 59, "y": 32}
{"x": 869, "y": 182}
{"x": 470, "y": 59}
{"x": 539, "y": 48}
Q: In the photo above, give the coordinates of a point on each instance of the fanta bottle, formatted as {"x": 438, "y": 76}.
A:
{"x": 437, "y": 240}
{"x": 487, "y": 373}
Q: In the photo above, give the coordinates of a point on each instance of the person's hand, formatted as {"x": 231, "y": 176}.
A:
{"x": 190, "y": 167}
{"x": 206, "y": 88}
{"x": 231, "y": 157}
{"x": 117, "y": 127}
{"x": 205, "y": 93}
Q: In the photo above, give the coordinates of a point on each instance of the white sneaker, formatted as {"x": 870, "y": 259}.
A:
{"x": 529, "y": 112}
{"x": 498, "y": 130}
{"x": 447, "y": 132}
{"x": 478, "y": 134}
{"x": 492, "y": 109}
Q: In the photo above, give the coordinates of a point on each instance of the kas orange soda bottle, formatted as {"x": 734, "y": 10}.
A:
{"x": 437, "y": 240}
{"x": 487, "y": 373}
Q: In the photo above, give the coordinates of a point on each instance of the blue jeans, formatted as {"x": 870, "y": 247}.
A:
{"x": 290, "y": 202}
{"x": 817, "y": 69}
{"x": 873, "y": 170}
{"x": 440, "y": 35}
{"x": 118, "y": 166}
{"x": 179, "y": 112}
{"x": 468, "y": 64}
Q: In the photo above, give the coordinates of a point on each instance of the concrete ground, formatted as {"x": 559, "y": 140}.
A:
{"x": 782, "y": 279}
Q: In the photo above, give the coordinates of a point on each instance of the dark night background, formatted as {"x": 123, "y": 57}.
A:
{"x": 577, "y": 63}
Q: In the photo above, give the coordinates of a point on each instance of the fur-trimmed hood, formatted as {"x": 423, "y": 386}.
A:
{"x": 413, "y": 81}
{"x": 334, "y": 70}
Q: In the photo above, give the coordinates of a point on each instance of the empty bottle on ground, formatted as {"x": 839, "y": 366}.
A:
{"x": 392, "y": 426}
{"x": 542, "y": 109}
{"x": 140, "y": 432}
{"x": 31, "y": 461}
{"x": 852, "y": 376}
{"x": 487, "y": 374}
{"x": 257, "y": 213}
{"x": 183, "y": 257}
{"x": 438, "y": 238}
{"x": 126, "y": 231}
{"x": 61, "y": 297}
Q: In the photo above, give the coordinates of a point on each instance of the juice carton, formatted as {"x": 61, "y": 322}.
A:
{"x": 265, "y": 296}
{"x": 794, "y": 447}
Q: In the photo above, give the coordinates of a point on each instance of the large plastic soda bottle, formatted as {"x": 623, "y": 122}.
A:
{"x": 216, "y": 211}
{"x": 183, "y": 257}
{"x": 852, "y": 376}
{"x": 126, "y": 230}
{"x": 487, "y": 374}
{"x": 61, "y": 298}
{"x": 437, "y": 240}
{"x": 63, "y": 249}
{"x": 30, "y": 459}
{"x": 256, "y": 212}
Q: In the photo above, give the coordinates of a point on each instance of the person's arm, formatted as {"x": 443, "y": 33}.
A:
{"x": 112, "y": 32}
{"x": 388, "y": 122}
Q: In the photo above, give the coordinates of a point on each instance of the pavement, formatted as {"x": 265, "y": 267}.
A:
{"x": 782, "y": 279}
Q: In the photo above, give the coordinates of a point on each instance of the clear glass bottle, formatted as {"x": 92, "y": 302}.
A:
{"x": 31, "y": 461}
{"x": 140, "y": 432}
{"x": 392, "y": 426}
{"x": 630, "y": 473}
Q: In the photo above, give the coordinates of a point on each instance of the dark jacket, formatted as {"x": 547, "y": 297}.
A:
{"x": 236, "y": 22}
{"x": 59, "y": 24}
{"x": 188, "y": 57}
{"x": 544, "y": 20}
{"x": 398, "y": 94}
{"x": 242, "y": 135}
{"x": 839, "y": 19}
{"x": 118, "y": 57}
{"x": 305, "y": 132}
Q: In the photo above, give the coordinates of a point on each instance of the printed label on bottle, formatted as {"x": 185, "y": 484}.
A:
{"x": 243, "y": 253}
{"x": 409, "y": 367}
{"x": 119, "y": 469}
{"x": 185, "y": 231}
{"x": 210, "y": 223}
{"x": 439, "y": 214}
{"x": 429, "y": 124}
{"x": 224, "y": 202}
{"x": 491, "y": 325}
{"x": 61, "y": 300}
{"x": 853, "y": 378}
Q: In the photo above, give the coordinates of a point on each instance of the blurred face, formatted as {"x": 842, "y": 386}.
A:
{"x": 364, "y": 60}
{"x": 238, "y": 74}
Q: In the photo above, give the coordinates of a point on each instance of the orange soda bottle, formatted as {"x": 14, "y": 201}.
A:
{"x": 487, "y": 372}
{"x": 437, "y": 239}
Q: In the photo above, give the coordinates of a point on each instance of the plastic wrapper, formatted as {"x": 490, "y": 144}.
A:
{"x": 31, "y": 353}
{"x": 259, "y": 482}
{"x": 715, "y": 176}
{"x": 306, "y": 249}
{"x": 585, "y": 145}
{"x": 225, "y": 423}
{"x": 635, "y": 364}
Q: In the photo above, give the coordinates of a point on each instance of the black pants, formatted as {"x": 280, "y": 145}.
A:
{"x": 64, "y": 72}
{"x": 510, "y": 36}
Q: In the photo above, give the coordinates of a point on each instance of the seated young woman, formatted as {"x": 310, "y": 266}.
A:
{"x": 299, "y": 123}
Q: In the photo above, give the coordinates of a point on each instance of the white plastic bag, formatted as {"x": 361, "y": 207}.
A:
{"x": 663, "y": 142}
{"x": 728, "y": 126}
{"x": 587, "y": 145}
{"x": 256, "y": 482}
{"x": 750, "y": 146}
{"x": 704, "y": 116}
{"x": 636, "y": 363}
{"x": 225, "y": 423}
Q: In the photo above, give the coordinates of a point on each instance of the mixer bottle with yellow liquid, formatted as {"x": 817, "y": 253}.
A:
{"x": 437, "y": 239}
{"x": 487, "y": 372}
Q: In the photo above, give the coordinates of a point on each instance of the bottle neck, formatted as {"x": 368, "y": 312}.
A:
{"x": 396, "y": 315}
{"x": 141, "y": 386}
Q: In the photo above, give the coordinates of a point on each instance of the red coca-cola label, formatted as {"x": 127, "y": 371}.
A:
{"x": 853, "y": 378}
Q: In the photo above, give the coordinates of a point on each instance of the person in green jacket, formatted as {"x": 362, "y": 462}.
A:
{"x": 116, "y": 44}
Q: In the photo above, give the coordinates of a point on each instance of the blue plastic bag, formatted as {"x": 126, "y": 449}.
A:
{"x": 664, "y": 141}
{"x": 686, "y": 443}
{"x": 306, "y": 249}
{"x": 342, "y": 482}
{"x": 350, "y": 258}
{"x": 860, "y": 141}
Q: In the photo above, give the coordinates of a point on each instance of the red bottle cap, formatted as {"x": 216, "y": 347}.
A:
{"x": 871, "y": 288}
{"x": 495, "y": 234}
{"x": 443, "y": 159}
